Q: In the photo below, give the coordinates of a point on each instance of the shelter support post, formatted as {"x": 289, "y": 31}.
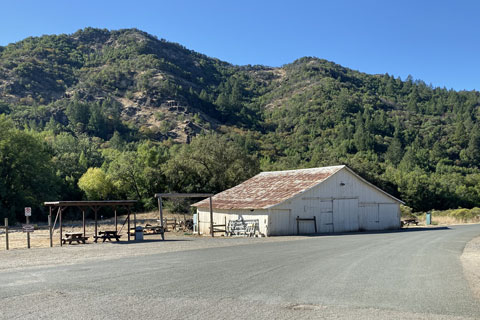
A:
{"x": 116, "y": 221}
{"x": 95, "y": 209}
{"x": 211, "y": 217}
{"x": 128, "y": 223}
{"x": 135, "y": 225}
{"x": 50, "y": 227}
{"x": 83, "y": 221}
{"x": 50, "y": 233}
{"x": 160, "y": 211}
{"x": 61, "y": 227}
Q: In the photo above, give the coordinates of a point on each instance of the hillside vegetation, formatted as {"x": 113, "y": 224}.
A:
{"x": 129, "y": 115}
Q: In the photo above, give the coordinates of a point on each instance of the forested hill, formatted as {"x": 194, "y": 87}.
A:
{"x": 105, "y": 114}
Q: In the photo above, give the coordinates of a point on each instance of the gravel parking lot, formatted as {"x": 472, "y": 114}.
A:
{"x": 81, "y": 253}
{"x": 409, "y": 274}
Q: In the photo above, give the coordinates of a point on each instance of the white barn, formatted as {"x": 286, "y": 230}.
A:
{"x": 340, "y": 200}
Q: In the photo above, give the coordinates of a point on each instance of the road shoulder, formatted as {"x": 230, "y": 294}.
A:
{"x": 471, "y": 265}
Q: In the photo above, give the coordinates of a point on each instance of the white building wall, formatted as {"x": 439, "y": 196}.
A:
{"x": 341, "y": 203}
{"x": 222, "y": 215}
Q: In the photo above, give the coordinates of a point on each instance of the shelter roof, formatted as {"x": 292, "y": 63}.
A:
{"x": 267, "y": 189}
{"x": 104, "y": 203}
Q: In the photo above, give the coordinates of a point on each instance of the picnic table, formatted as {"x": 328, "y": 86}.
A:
{"x": 107, "y": 235}
{"x": 410, "y": 221}
{"x": 74, "y": 236}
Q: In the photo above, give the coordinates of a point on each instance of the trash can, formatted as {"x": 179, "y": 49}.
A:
{"x": 139, "y": 233}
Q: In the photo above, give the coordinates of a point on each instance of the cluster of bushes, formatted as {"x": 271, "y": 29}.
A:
{"x": 460, "y": 214}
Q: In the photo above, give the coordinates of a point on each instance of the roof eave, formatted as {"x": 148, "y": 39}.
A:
{"x": 374, "y": 186}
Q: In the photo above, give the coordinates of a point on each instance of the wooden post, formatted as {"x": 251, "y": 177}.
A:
{"x": 61, "y": 227}
{"x": 6, "y": 234}
{"x": 211, "y": 217}
{"x": 56, "y": 219}
{"x": 28, "y": 233}
{"x": 315, "y": 222}
{"x": 95, "y": 209}
{"x": 225, "y": 225}
{"x": 135, "y": 225}
{"x": 298, "y": 225}
{"x": 50, "y": 227}
{"x": 198, "y": 222}
{"x": 128, "y": 225}
{"x": 116, "y": 222}
{"x": 160, "y": 210}
{"x": 83, "y": 221}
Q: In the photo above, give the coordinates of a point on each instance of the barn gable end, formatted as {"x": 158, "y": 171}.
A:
{"x": 338, "y": 198}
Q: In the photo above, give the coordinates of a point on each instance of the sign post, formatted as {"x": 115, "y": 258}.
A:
{"x": 27, "y": 228}
{"x": 6, "y": 233}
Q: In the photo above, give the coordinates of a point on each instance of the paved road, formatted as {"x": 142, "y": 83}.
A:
{"x": 398, "y": 275}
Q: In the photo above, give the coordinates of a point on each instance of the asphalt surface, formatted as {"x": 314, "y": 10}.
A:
{"x": 398, "y": 275}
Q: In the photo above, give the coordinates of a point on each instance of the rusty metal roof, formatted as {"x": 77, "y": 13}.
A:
{"x": 269, "y": 188}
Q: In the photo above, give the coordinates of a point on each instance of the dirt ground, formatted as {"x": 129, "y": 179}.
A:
{"x": 40, "y": 237}
{"x": 82, "y": 253}
{"x": 41, "y": 254}
{"x": 471, "y": 265}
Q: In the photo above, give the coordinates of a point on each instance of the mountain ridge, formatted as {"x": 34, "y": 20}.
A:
{"x": 122, "y": 88}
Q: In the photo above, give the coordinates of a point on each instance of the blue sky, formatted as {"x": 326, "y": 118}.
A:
{"x": 435, "y": 41}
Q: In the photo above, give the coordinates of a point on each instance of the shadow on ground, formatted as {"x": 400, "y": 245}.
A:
{"x": 419, "y": 229}
{"x": 151, "y": 240}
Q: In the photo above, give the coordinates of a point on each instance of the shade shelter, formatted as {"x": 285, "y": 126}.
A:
{"x": 95, "y": 206}
{"x": 185, "y": 195}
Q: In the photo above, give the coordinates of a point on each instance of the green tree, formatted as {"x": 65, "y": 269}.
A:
{"x": 394, "y": 152}
{"x": 96, "y": 184}
{"x": 26, "y": 175}
{"x": 210, "y": 163}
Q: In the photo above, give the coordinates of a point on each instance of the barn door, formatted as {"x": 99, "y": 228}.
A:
{"x": 373, "y": 218}
{"x": 325, "y": 223}
{"x": 388, "y": 215}
{"x": 345, "y": 215}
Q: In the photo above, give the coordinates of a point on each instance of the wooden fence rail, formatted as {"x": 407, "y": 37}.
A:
{"x": 314, "y": 219}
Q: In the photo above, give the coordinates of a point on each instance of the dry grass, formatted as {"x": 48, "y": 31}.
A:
{"x": 447, "y": 220}
{"x": 40, "y": 237}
